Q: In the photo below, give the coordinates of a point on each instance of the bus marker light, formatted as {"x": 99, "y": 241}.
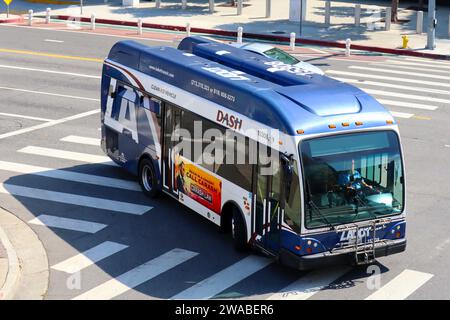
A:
{"x": 389, "y": 122}
{"x": 398, "y": 234}
{"x": 298, "y": 248}
{"x": 309, "y": 242}
{"x": 332, "y": 126}
{"x": 345, "y": 124}
{"x": 309, "y": 250}
{"x": 358, "y": 123}
{"x": 300, "y": 131}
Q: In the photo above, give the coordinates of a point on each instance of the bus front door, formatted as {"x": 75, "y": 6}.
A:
{"x": 172, "y": 121}
{"x": 268, "y": 208}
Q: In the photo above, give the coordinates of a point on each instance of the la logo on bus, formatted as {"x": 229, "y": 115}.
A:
{"x": 230, "y": 121}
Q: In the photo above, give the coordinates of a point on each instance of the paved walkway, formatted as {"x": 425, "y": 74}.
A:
{"x": 253, "y": 21}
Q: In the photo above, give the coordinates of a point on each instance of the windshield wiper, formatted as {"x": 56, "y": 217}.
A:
{"x": 317, "y": 210}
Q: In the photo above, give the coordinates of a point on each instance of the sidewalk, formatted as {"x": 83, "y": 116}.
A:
{"x": 24, "y": 269}
{"x": 253, "y": 21}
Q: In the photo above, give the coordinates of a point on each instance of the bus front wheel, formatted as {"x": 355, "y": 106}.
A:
{"x": 238, "y": 231}
{"x": 147, "y": 178}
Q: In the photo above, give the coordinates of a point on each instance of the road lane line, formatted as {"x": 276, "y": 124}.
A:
{"x": 51, "y": 55}
{"x": 138, "y": 275}
{"x": 50, "y": 71}
{"x": 373, "y": 76}
{"x": 48, "y": 124}
{"x": 405, "y": 95}
{"x": 82, "y": 140}
{"x": 402, "y": 286}
{"x": 67, "y": 155}
{"x": 384, "y": 70}
{"x": 401, "y": 114}
{"x": 406, "y": 104}
{"x": 89, "y": 257}
{"x": 392, "y": 85}
{"x": 53, "y": 40}
{"x": 69, "y": 176}
{"x": 73, "y": 199}
{"x": 224, "y": 279}
{"x": 15, "y": 115}
{"x": 50, "y": 94}
{"x": 310, "y": 284}
{"x": 67, "y": 224}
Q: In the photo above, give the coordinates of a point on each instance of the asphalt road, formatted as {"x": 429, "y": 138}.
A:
{"x": 127, "y": 236}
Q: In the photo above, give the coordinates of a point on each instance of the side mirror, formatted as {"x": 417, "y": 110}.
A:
{"x": 288, "y": 172}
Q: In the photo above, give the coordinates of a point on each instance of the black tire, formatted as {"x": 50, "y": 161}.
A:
{"x": 238, "y": 231}
{"x": 147, "y": 178}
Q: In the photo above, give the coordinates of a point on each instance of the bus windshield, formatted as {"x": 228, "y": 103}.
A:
{"x": 352, "y": 177}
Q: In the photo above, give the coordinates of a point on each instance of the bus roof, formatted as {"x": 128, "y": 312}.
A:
{"x": 253, "y": 85}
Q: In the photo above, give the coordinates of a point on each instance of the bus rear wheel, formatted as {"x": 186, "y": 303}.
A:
{"x": 147, "y": 178}
{"x": 238, "y": 231}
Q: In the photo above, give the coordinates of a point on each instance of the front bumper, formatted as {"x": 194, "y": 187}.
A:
{"x": 337, "y": 257}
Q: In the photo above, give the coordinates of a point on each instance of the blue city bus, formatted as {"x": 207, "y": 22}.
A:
{"x": 322, "y": 181}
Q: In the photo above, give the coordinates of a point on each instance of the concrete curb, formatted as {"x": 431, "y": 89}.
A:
{"x": 12, "y": 19}
{"x": 28, "y": 272}
{"x": 266, "y": 37}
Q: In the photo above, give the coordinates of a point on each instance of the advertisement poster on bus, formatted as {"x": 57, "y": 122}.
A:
{"x": 197, "y": 184}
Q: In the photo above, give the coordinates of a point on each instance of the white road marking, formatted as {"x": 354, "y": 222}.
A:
{"x": 385, "y": 70}
{"x": 69, "y": 176}
{"x": 224, "y": 279}
{"x": 429, "y": 62}
{"x": 405, "y": 95}
{"x": 73, "y": 199}
{"x": 402, "y": 286}
{"x": 392, "y": 85}
{"x": 50, "y": 94}
{"x": 82, "y": 140}
{"x": 53, "y": 40}
{"x": 416, "y": 64}
{"x": 89, "y": 257}
{"x": 447, "y": 145}
{"x": 406, "y": 104}
{"x": 402, "y": 114}
{"x": 15, "y": 115}
{"x": 373, "y": 76}
{"x": 308, "y": 285}
{"x": 51, "y": 71}
{"x": 48, "y": 124}
{"x": 68, "y": 155}
{"x": 68, "y": 224}
{"x": 138, "y": 275}
{"x": 428, "y": 70}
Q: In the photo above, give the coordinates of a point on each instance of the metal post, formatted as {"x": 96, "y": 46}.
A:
{"x": 93, "y": 21}
{"x": 158, "y": 3}
{"x": 240, "y": 31}
{"x": 139, "y": 23}
{"x": 48, "y": 15}
{"x": 239, "y": 7}
{"x": 30, "y": 17}
{"x": 211, "y": 6}
{"x": 357, "y": 15}
{"x": 268, "y": 8}
{"x": 327, "y": 13}
{"x": 7, "y": 11}
{"x": 183, "y": 4}
{"x": 387, "y": 19}
{"x": 188, "y": 29}
{"x": 419, "y": 24}
{"x": 292, "y": 41}
{"x": 348, "y": 43}
{"x": 81, "y": 6}
{"x": 431, "y": 39}
{"x": 449, "y": 26}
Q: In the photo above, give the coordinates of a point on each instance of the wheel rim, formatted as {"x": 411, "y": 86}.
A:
{"x": 147, "y": 178}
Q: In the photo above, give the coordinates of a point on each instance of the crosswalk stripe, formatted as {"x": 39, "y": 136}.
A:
{"x": 402, "y": 114}
{"x": 15, "y": 115}
{"x": 365, "y": 83}
{"x": 89, "y": 257}
{"x": 138, "y": 275}
{"x": 411, "y": 63}
{"x": 406, "y": 104}
{"x": 308, "y": 285}
{"x": 429, "y": 62}
{"x": 374, "y": 76}
{"x": 408, "y": 67}
{"x": 224, "y": 279}
{"x": 68, "y": 155}
{"x": 82, "y": 140}
{"x": 405, "y": 95}
{"x": 69, "y": 176}
{"x": 402, "y": 286}
{"x": 68, "y": 198}
{"x": 384, "y": 70}
{"x": 68, "y": 224}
